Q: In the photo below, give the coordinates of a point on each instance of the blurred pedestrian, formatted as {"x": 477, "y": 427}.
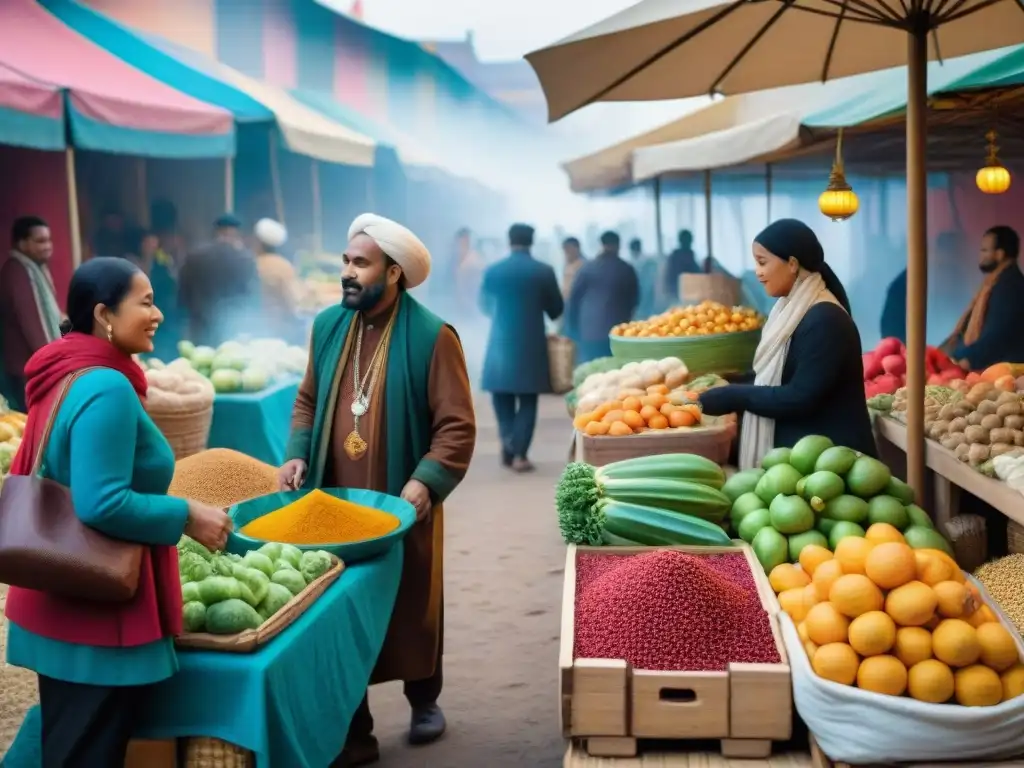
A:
{"x": 148, "y": 252}
{"x": 469, "y": 272}
{"x": 606, "y": 292}
{"x": 647, "y": 274}
{"x": 574, "y": 259}
{"x": 681, "y": 261}
{"x": 516, "y": 294}
{"x": 279, "y": 282}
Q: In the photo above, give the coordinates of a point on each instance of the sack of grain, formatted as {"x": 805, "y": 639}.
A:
{"x": 222, "y": 477}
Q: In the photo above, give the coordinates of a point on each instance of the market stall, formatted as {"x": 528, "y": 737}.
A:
{"x": 256, "y": 423}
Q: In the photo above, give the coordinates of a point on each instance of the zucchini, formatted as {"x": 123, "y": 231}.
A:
{"x": 667, "y": 466}
{"x": 611, "y": 540}
{"x": 680, "y": 496}
{"x": 649, "y": 526}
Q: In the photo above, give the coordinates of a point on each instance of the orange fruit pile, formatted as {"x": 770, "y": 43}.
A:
{"x": 704, "y": 319}
{"x": 889, "y": 619}
{"x": 656, "y": 410}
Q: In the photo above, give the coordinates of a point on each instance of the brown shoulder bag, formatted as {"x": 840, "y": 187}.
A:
{"x": 45, "y": 546}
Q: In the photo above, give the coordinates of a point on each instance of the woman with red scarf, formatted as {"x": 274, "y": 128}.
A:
{"x": 97, "y": 661}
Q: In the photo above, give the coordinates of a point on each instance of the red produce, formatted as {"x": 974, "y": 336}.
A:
{"x": 894, "y": 365}
{"x": 872, "y": 366}
{"x": 887, "y": 384}
{"x": 890, "y": 346}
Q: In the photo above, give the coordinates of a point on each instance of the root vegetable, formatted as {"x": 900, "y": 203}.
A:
{"x": 939, "y": 429}
{"x": 992, "y": 421}
{"x": 961, "y": 451}
{"x": 998, "y": 449}
{"x": 987, "y": 406}
{"x": 964, "y": 407}
{"x": 1009, "y": 409}
{"x": 1007, "y": 397}
{"x": 978, "y": 453}
{"x": 977, "y": 435}
{"x": 1018, "y": 438}
{"x": 959, "y": 424}
{"x": 974, "y": 419}
{"x": 952, "y": 440}
{"x": 948, "y": 412}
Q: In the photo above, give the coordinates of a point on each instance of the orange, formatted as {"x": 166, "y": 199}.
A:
{"x": 619, "y": 429}
{"x": 812, "y": 556}
{"x": 667, "y": 409}
{"x": 681, "y": 419}
{"x": 787, "y": 576}
{"x": 837, "y": 662}
{"x": 633, "y": 419}
{"x": 932, "y": 569}
{"x": 930, "y": 681}
{"x": 882, "y": 674}
{"x": 913, "y": 645}
{"x": 978, "y": 686}
{"x": 911, "y": 605}
{"x": 825, "y": 576}
{"x": 801, "y": 630}
{"x": 872, "y": 633}
{"x": 597, "y": 428}
{"x": 983, "y": 615}
{"x": 599, "y": 412}
{"x": 657, "y": 422}
{"x": 958, "y": 575}
{"x": 647, "y": 412}
{"x": 810, "y": 648}
{"x": 658, "y": 389}
{"x": 851, "y": 553}
{"x": 879, "y": 533}
{"x": 998, "y": 648}
{"x": 794, "y": 603}
{"x": 826, "y": 625}
{"x": 581, "y": 421}
{"x": 955, "y": 642}
{"x": 890, "y": 564}
{"x": 953, "y": 597}
{"x": 854, "y": 594}
{"x": 1013, "y": 682}
{"x": 616, "y": 414}
{"x": 632, "y": 403}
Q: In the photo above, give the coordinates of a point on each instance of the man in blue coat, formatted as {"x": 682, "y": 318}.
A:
{"x": 516, "y": 294}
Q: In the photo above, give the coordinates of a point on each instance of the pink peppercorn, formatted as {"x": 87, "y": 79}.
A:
{"x": 667, "y": 610}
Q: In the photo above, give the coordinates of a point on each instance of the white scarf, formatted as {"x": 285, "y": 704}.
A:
{"x": 757, "y": 435}
{"x": 44, "y": 293}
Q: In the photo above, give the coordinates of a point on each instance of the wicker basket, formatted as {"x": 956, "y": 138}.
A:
{"x": 562, "y": 362}
{"x": 720, "y": 353}
{"x": 1014, "y": 537}
{"x": 969, "y": 537}
{"x": 184, "y": 421}
{"x": 213, "y": 753}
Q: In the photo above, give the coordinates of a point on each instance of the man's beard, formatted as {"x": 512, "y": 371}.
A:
{"x": 367, "y": 298}
{"x": 989, "y": 266}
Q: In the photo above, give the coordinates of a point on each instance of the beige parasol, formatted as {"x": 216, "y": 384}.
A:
{"x": 672, "y": 49}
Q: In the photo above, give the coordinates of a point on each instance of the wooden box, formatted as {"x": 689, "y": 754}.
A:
{"x": 695, "y": 288}
{"x": 713, "y": 442}
{"x": 610, "y": 705}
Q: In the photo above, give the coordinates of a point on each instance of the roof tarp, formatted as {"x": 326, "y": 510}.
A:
{"x": 31, "y": 112}
{"x": 128, "y": 46}
{"x": 111, "y": 106}
{"x": 305, "y": 130}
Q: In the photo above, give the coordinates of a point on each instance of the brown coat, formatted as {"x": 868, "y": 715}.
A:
{"x": 411, "y": 649}
{"x": 22, "y": 327}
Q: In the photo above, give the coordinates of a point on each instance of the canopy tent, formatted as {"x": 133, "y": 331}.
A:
{"x": 31, "y": 112}
{"x": 111, "y": 106}
{"x": 304, "y": 130}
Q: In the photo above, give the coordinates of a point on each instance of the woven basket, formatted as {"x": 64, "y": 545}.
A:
{"x": 214, "y": 753}
{"x": 969, "y": 537}
{"x": 1014, "y": 537}
{"x": 185, "y": 424}
{"x": 561, "y": 362}
{"x": 720, "y": 353}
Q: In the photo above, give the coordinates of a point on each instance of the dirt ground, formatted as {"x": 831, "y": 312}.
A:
{"x": 503, "y": 588}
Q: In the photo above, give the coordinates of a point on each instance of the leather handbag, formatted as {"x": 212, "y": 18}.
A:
{"x": 45, "y": 546}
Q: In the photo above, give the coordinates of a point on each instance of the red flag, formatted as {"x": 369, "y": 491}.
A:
{"x": 356, "y": 11}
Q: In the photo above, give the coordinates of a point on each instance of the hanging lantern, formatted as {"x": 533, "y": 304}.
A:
{"x": 839, "y": 202}
{"x": 993, "y": 179}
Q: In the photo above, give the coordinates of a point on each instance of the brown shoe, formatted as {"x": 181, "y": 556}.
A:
{"x": 365, "y": 751}
{"x": 522, "y": 465}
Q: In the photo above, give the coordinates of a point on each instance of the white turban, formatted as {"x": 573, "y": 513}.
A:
{"x": 407, "y": 250}
{"x": 271, "y": 233}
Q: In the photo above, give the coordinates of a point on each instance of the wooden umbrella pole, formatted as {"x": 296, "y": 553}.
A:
{"x": 229, "y": 184}
{"x": 657, "y": 216}
{"x": 707, "y": 210}
{"x": 917, "y": 252}
{"x": 74, "y": 223}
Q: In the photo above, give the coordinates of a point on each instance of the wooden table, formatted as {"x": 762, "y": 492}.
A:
{"x": 950, "y": 477}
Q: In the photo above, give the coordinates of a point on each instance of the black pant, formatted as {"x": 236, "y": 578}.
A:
{"x": 88, "y": 726}
{"x": 517, "y": 418}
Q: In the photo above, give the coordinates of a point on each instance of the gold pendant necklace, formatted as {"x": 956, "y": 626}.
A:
{"x": 355, "y": 446}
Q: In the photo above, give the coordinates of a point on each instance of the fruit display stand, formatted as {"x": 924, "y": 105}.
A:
{"x": 607, "y": 706}
{"x": 720, "y": 353}
{"x": 712, "y": 441}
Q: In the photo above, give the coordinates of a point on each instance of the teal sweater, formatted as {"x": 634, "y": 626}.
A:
{"x": 118, "y": 465}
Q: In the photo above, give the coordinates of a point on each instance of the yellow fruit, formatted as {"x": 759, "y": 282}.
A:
{"x": 953, "y": 599}
{"x": 890, "y": 564}
{"x": 851, "y": 553}
{"x": 854, "y": 594}
{"x": 825, "y": 576}
{"x": 794, "y": 602}
{"x": 880, "y": 533}
{"x": 812, "y": 556}
{"x": 955, "y": 642}
{"x": 787, "y": 576}
{"x": 930, "y": 681}
{"x": 911, "y": 605}
{"x": 978, "y": 686}
{"x": 913, "y": 645}
{"x": 837, "y": 662}
{"x": 811, "y": 596}
{"x": 801, "y": 630}
{"x": 826, "y": 625}
{"x": 872, "y": 634}
{"x": 931, "y": 569}
{"x": 983, "y": 615}
{"x": 998, "y": 649}
{"x": 957, "y": 574}
{"x": 1013, "y": 682}
{"x": 810, "y": 648}
{"x": 882, "y": 674}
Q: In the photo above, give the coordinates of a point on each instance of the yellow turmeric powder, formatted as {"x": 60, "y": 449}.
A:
{"x": 319, "y": 518}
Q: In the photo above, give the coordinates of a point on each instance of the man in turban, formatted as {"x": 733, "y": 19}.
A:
{"x": 282, "y": 290}
{"x": 386, "y": 405}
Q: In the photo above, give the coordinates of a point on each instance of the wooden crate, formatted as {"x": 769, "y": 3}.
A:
{"x": 713, "y": 442}
{"x": 820, "y": 760}
{"x": 700, "y": 756}
{"x": 611, "y": 706}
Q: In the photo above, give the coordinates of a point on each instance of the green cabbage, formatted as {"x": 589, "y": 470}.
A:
{"x": 271, "y": 549}
{"x": 190, "y": 592}
{"x": 277, "y": 598}
{"x": 222, "y": 566}
{"x": 231, "y": 617}
{"x": 315, "y": 564}
{"x": 191, "y": 545}
{"x": 292, "y": 580}
{"x": 193, "y": 568}
{"x": 256, "y": 582}
{"x": 284, "y": 565}
{"x": 216, "y": 589}
{"x": 193, "y": 616}
{"x": 291, "y": 555}
{"x": 258, "y": 561}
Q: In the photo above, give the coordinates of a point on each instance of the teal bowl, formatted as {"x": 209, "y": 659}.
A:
{"x": 351, "y": 552}
{"x": 720, "y": 353}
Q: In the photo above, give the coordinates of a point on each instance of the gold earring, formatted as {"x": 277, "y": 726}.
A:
{"x": 110, "y": 334}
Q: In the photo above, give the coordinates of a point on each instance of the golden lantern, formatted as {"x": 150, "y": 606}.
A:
{"x": 993, "y": 179}
{"x": 839, "y": 202}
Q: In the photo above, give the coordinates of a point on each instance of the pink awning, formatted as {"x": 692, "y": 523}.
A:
{"x": 17, "y": 91}
{"x": 102, "y": 87}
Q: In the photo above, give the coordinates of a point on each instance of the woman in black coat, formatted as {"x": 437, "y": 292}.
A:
{"x": 809, "y": 374}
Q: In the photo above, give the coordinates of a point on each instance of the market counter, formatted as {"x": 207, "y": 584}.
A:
{"x": 256, "y": 424}
{"x": 951, "y": 476}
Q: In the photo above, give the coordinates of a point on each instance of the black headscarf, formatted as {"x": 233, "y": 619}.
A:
{"x": 789, "y": 237}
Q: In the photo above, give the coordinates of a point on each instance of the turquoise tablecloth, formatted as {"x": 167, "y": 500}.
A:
{"x": 290, "y": 702}
{"x": 255, "y": 424}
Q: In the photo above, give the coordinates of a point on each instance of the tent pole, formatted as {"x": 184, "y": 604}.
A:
{"x": 229, "y": 184}
{"x": 917, "y": 251}
{"x": 707, "y": 213}
{"x": 275, "y": 177}
{"x": 318, "y": 211}
{"x": 657, "y": 217}
{"x": 142, "y": 192}
{"x": 74, "y": 223}
{"x": 768, "y": 190}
